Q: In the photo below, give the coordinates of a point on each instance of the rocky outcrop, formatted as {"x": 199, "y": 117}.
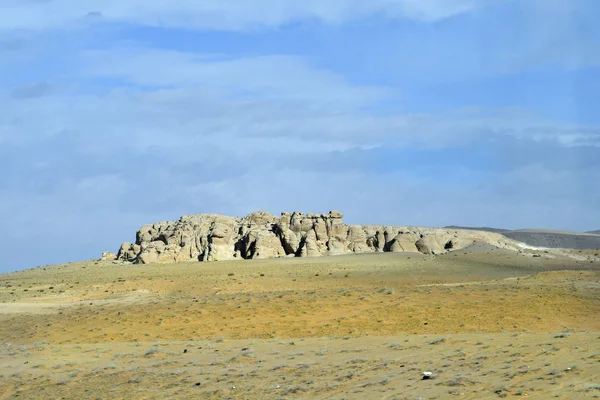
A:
{"x": 108, "y": 256}
{"x": 210, "y": 237}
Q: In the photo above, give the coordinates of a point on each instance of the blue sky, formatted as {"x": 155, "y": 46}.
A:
{"x": 408, "y": 112}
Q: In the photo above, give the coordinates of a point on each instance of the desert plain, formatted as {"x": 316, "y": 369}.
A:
{"x": 487, "y": 323}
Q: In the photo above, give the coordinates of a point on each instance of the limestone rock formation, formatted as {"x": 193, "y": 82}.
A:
{"x": 108, "y": 256}
{"x": 210, "y": 237}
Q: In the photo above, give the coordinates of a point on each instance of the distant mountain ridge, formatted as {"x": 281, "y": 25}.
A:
{"x": 547, "y": 238}
{"x": 482, "y": 228}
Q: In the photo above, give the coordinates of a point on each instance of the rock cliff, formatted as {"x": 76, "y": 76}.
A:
{"x": 210, "y": 237}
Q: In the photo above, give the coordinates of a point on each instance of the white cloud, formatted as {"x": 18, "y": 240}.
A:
{"x": 553, "y": 32}
{"x": 290, "y": 98}
{"x": 221, "y": 14}
{"x": 274, "y": 76}
{"x": 89, "y": 161}
{"x": 200, "y": 100}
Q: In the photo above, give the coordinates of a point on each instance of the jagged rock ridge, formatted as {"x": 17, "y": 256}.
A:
{"x": 210, "y": 237}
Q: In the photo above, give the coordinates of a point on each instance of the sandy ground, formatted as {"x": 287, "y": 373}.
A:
{"x": 487, "y": 323}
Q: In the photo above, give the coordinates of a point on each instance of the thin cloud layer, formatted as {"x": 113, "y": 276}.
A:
{"x": 223, "y": 14}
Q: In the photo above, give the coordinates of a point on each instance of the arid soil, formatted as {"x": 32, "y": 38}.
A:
{"x": 487, "y": 323}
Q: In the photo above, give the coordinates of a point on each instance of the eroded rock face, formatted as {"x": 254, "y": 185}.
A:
{"x": 108, "y": 256}
{"x": 211, "y": 237}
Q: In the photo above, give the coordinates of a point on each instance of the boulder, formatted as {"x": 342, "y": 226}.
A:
{"x": 259, "y": 218}
{"x": 338, "y": 229}
{"x": 268, "y": 245}
{"x": 149, "y": 257}
{"x": 127, "y": 252}
{"x": 108, "y": 256}
{"x": 320, "y": 228}
{"x": 429, "y": 245}
{"x": 336, "y": 215}
{"x": 296, "y": 222}
{"x": 310, "y": 246}
{"x": 306, "y": 224}
{"x": 337, "y": 246}
{"x": 290, "y": 241}
{"x": 403, "y": 243}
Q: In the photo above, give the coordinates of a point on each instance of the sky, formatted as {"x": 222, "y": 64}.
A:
{"x": 114, "y": 114}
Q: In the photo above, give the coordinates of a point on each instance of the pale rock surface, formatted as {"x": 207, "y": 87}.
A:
{"x": 211, "y": 237}
{"x": 430, "y": 245}
{"x": 108, "y": 256}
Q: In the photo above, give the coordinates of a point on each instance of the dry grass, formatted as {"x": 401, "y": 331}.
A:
{"x": 488, "y": 323}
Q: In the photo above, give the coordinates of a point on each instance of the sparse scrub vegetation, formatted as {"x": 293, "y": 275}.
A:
{"x": 305, "y": 328}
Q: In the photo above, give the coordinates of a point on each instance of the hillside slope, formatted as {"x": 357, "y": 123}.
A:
{"x": 549, "y": 238}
